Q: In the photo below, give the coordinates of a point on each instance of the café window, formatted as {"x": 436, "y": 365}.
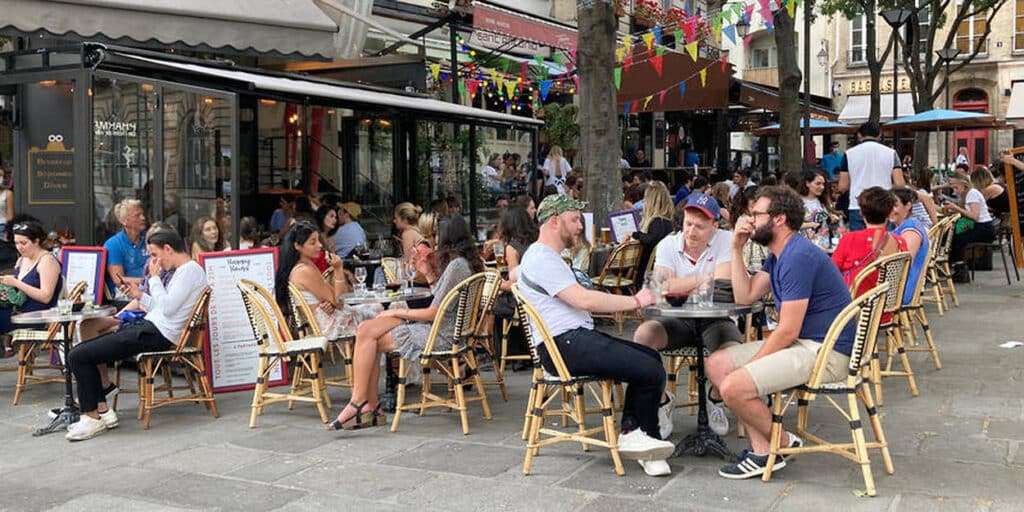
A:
{"x": 122, "y": 130}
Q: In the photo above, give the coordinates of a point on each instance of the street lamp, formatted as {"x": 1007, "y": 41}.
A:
{"x": 946, "y": 55}
{"x": 823, "y": 57}
{"x": 742, "y": 27}
{"x": 896, "y": 18}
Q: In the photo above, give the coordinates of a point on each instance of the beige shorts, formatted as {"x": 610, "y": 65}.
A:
{"x": 787, "y": 368}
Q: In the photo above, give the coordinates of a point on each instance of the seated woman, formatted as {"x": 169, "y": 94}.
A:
{"x": 995, "y": 195}
{"x": 813, "y": 188}
{"x": 406, "y": 330}
{"x": 300, "y": 246}
{"x": 858, "y": 249}
{"x": 914, "y": 233}
{"x": 36, "y": 274}
{"x": 327, "y": 222}
{"x": 207, "y": 237}
{"x": 655, "y": 224}
{"x": 971, "y": 206}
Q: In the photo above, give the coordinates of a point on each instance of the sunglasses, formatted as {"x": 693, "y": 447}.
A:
{"x": 20, "y": 227}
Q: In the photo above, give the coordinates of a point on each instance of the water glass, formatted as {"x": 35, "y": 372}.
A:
{"x": 360, "y": 273}
{"x": 410, "y": 272}
{"x": 656, "y": 283}
{"x": 64, "y": 306}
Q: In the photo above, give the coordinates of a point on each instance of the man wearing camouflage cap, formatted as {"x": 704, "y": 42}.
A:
{"x": 549, "y": 284}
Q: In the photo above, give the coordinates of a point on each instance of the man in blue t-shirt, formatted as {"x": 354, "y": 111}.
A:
{"x": 831, "y": 161}
{"x": 809, "y": 292}
{"x": 126, "y": 251}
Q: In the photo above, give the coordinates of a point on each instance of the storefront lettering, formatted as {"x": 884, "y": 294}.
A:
{"x": 51, "y": 173}
{"x": 114, "y": 128}
{"x": 863, "y": 86}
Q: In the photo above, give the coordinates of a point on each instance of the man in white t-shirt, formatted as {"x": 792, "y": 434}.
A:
{"x": 686, "y": 260}
{"x": 549, "y": 284}
{"x": 492, "y": 176}
{"x": 868, "y": 164}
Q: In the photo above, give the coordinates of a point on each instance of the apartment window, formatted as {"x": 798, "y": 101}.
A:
{"x": 858, "y": 40}
{"x": 968, "y": 34}
{"x": 763, "y": 58}
{"x": 1018, "y": 27}
{"x": 923, "y": 19}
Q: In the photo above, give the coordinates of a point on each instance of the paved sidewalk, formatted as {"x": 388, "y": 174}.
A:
{"x": 955, "y": 447}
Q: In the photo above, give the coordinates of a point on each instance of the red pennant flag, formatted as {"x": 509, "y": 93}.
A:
{"x": 657, "y": 62}
{"x": 524, "y": 69}
{"x": 725, "y": 61}
{"x": 661, "y": 95}
{"x": 636, "y": 106}
{"x": 627, "y": 62}
{"x": 473, "y": 85}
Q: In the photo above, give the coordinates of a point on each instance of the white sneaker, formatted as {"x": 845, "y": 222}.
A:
{"x": 717, "y": 419}
{"x": 655, "y": 467}
{"x": 109, "y": 419}
{"x": 665, "y": 416}
{"x": 637, "y": 445}
{"x": 85, "y": 428}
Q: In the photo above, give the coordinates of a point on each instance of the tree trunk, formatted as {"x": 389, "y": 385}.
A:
{"x": 599, "y": 131}
{"x": 790, "y": 80}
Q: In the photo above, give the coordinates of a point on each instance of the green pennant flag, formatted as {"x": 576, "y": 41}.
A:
{"x": 462, "y": 88}
{"x": 678, "y": 36}
{"x": 557, "y": 57}
{"x": 618, "y": 78}
{"x": 539, "y": 59}
{"x": 659, "y": 51}
{"x": 505, "y": 64}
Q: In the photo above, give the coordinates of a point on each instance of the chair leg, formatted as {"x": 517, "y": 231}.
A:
{"x": 928, "y": 337}
{"x": 876, "y": 374}
{"x": 147, "y": 393}
{"x": 117, "y": 382}
{"x": 478, "y": 381}
{"x": 204, "y": 386}
{"x": 25, "y": 357}
{"x": 857, "y": 432}
{"x": 905, "y": 361}
{"x": 528, "y": 417}
{"x": 952, "y": 286}
{"x": 140, "y": 378}
{"x": 257, "y": 394}
{"x": 775, "y": 437}
{"x": 1006, "y": 269}
{"x": 611, "y": 435}
{"x": 403, "y": 371}
{"x": 460, "y": 395}
{"x": 864, "y": 393}
{"x": 427, "y": 384}
{"x": 297, "y": 377}
{"x": 317, "y": 383}
{"x": 579, "y": 399}
{"x": 536, "y": 408}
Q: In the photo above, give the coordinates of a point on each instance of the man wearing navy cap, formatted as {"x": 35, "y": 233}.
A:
{"x": 687, "y": 260}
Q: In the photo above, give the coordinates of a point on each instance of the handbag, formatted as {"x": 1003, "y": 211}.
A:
{"x": 963, "y": 225}
{"x": 504, "y": 306}
{"x": 11, "y": 296}
{"x": 850, "y": 274}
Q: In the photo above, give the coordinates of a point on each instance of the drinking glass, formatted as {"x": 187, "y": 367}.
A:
{"x": 656, "y": 283}
{"x": 64, "y": 306}
{"x": 499, "y": 254}
{"x": 360, "y": 274}
{"x": 410, "y": 273}
{"x": 400, "y": 273}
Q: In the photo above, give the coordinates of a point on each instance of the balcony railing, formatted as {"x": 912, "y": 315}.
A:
{"x": 764, "y": 76}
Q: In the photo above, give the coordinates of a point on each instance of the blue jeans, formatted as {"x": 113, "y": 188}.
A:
{"x": 590, "y": 352}
{"x": 856, "y": 222}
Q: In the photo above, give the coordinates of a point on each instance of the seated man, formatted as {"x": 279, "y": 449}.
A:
{"x": 126, "y": 251}
{"x": 350, "y": 233}
{"x": 681, "y": 258}
{"x": 168, "y": 311}
{"x": 550, "y": 285}
{"x": 809, "y": 293}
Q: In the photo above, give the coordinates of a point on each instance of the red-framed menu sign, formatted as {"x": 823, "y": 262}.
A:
{"x": 231, "y": 353}
{"x": 87, "y": 264}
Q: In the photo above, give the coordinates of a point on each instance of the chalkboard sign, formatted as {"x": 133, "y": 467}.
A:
{"x": 84, "y": 264}
{"x": 51, "y": 173}
{"x": 231, "y": 350}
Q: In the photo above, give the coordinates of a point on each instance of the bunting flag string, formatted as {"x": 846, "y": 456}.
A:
{"x": 648, "y": 38}
{"x": 648, "y": 101}
{"x": 703, "y": 77}
{"x": 691, "y": 48}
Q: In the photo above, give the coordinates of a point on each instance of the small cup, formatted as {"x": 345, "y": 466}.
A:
{"x": 64, "y": 306}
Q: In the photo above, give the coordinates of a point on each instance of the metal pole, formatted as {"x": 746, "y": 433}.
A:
{"x": 945, "y": 136}
{"x": 895, "y": 91}
{"x": 808, "y": 156}
{"x": 454, "y": 33}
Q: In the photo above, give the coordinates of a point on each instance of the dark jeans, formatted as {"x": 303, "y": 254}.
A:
{"x": 132, "y": 339}
{"x": 856, "y": 222}
{"x": 590, "y": 352}
{"x": 981, "y": 233}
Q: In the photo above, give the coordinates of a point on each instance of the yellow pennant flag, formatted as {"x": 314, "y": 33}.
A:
{"x": 494, "y": 75}
{"x": 648, "y": 39}
{"x": 691, "y": 48}
{"x": 435, "y": 71}
{"x": 500, "y": 83}
{"x": 703, "y": 77}
{"x": 619, "y": 54}
{"x": 791, "y": 8}
{"x": 627, "y": 41}
{"x": 510, "y": 88}
{"x": 647, "y": 100}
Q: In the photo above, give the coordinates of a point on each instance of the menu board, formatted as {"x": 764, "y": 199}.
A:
{"x": 84, "y": 264}
{"x": 1015, "y": 191}
{"x": 622, "y": 223}
{"x": 231, "y": 351}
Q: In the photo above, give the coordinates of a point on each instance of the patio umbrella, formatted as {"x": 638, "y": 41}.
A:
{"x": 945, "y": 120}
{"x": 818, "y": 127}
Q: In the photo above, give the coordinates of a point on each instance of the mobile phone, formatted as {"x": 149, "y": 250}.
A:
{"x": 120, "y": 280}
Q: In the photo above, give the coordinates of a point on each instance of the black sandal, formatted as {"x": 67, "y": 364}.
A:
{"x": 355, "y": 422}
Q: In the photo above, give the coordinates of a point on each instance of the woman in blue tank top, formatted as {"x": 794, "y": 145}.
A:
{"x": 37, "y": 273}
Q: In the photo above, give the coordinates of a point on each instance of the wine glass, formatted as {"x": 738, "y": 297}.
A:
{"x": 410, "y": 273}
{"x": 360, "y": 274}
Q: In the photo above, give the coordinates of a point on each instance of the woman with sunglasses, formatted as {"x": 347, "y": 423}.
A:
{"x": 36, "y": 274}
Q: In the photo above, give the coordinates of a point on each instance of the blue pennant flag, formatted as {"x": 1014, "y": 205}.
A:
{"x": 657, "y": 34}
{"x": 682, "y": 89}
{"x": 545, "y": 86}
{"x": 625, "y": 108}
{"x": 730, "y": 32}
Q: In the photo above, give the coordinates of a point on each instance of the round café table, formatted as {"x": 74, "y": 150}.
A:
{"x": 704, "y": 440}
{"x": 69, "y": 413}
{"x": 385, "y": 298}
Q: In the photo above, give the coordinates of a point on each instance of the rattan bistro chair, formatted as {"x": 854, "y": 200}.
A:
{"x": 940, "y": 274}
{"x": 459, "y": 302}
{"x": 28, "y": 342}
{"x": 276, "y": 347}
{"x": 390, "y": 267}
{"x": 547, "y": 388}
{"x": 914, "y": 312}
{"x": 188, "y": 353}
{"x": 867, "y": 311}
{"x": 619, "y": 276}
{"x": 483, "y": 325}
{"x": 892, "y": 269}
{"x": 304, "y": 325}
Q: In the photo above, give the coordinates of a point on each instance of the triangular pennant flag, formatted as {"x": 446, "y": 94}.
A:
{"x": 462, "y": 88}
{"x": 627, "y": 41}
{"x": 682, "y": 89}
{"x": 627, "y": 62}
{"x": 657, "y": 34}
{"x": 748, "y": 12}
{"x": 725, "y": 60}
{"x": 539, "y": 59}
{"x": 716, "y": 30}
{"x": 620, "y": 52}
{"x": 625, "y": 108}
{"x": 678, "y": 35}
{"x": 500, "y": 84}
{"x": 648, "y": 40}
{"x": 657, "y": 62}
{"x": 746, "y": 40}
{"x": 730, "y": 32}
{"x": 769, "y": 27}
{"x": 435, "y": 70}
{"x": 505, "y": 64}
{"x": 691, "y": 48}
{"x": 524, "y": 69}
{"x": 791, "y": 8}
{"x": 703, "y": 77}
{"x": 494, "y": 75}
{"x": 510, "y": 88}
{"x": 545, "y": 87}
{"x": 659, "y": 50}
{"x": 661, "y": 95}
{"x": 572, "y": 54}
{"x": 636, "y": 106}
{"x": 618, "y": 78}
{"x": 688, "y": 28}
{"x": 473, "y": 86}
{"x": 557, "y": 57}
{"x": 648, "y": 100}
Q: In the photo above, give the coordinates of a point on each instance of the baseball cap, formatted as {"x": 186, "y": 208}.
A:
{"x": 556, "y": 204}
{"x": 353, "y": 209}
{"x": 705, "y": 203}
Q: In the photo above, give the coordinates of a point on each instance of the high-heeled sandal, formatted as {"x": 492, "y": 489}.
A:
{"x": 356, "y": 422}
